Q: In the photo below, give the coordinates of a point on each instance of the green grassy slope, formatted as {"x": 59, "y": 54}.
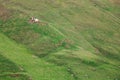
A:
{"x": 79, "y": 38}
{"x": 34, "y": 67}
{"x": 9, "y": 71}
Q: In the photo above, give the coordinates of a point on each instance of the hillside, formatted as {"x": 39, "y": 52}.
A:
{"x": 75, "y": 40}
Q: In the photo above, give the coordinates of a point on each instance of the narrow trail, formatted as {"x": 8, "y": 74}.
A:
{"x": 52, "y": 26}
{"x": 11, "y": 73}
{"x": 35, "y": 67}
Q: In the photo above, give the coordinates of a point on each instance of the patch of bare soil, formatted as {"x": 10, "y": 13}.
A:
{"x": 4, "y": 13}
{"x": 117, "y": 2}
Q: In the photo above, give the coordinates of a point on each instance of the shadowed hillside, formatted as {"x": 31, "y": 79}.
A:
{"x": 75, "y": 40}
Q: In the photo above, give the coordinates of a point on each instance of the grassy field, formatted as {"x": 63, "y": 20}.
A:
{"x": 75, "y": 40}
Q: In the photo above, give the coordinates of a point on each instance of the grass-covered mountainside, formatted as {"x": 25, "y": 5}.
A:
{"x": 75, "y": 40}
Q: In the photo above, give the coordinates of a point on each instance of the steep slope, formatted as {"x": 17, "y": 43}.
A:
{"x": 81, "y": 35}
{"x": 36, "y": 68}
{"x": 9, "y": 70}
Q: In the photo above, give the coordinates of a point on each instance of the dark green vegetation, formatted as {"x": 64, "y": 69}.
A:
{"x": 10, "y": 71}
{"x": 76, "y": 40}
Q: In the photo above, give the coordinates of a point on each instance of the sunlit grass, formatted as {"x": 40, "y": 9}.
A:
{"x": 75, "y": 39}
